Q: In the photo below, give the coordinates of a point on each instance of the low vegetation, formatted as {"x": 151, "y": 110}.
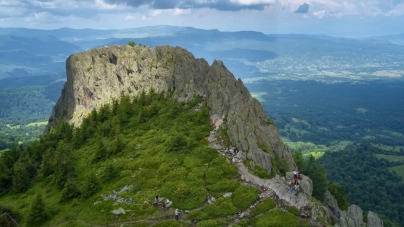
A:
{"x": 147, "y": 146}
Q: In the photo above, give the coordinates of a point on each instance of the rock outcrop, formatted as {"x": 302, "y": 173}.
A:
{"x": 374, "y": 220}
{"x": 98, "y": 76}
{"x": 354, "y": 218}
{"x": 331, "y": 203}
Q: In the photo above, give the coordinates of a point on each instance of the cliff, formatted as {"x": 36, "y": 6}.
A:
{"x": 98, "y": 76}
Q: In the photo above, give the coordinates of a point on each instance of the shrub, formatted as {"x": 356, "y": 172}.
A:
{"x": 264, "y": 206}
{"x": 276, "y": 218}
{"x": 197, "y": 215}
{"x": 169, "y": 223}
{"x": 184, "y": 195}
{"x": 244, "y": 196}
{"x": 208, "y": 223}
{"x": 294, "y": 210}
{"x": 206, "y": 154}
{"x": 131, "y": 43}
{"x": 220, "y": 208}
{"x": 224, "y": 185}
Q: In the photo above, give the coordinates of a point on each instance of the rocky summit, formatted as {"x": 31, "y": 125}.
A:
{"x": 98, "y": 76}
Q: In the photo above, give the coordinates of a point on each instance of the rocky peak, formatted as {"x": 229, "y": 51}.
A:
{"x": 98, "y": 76}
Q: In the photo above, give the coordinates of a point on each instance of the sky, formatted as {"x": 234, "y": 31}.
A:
{"x": 326, "y": 17}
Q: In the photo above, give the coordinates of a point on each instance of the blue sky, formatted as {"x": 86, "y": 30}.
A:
{"x": 332, "y": 17}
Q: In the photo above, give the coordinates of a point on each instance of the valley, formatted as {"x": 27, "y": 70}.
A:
{"x": 329, "y": 97}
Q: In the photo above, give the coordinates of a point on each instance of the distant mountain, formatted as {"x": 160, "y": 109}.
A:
{"x": 22, "y": 56}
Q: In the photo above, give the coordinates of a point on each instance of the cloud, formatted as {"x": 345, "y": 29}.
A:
{"x": 221, "y": 5}
{"x": 320, "y": 14}
{"x": 303, "y": 8}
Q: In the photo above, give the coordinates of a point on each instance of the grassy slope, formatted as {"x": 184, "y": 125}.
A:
{"x": 155, "y": 144}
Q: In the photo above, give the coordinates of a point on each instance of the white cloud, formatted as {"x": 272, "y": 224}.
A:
{"x": 130, "y": 17}
{"x": 252, "y": 2}
{"x": 178, "y": 12}
{"x": 320, "y": 14}
{"x": 146, "y": 18}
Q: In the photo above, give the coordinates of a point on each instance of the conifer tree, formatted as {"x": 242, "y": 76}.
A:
{"x": 37, "y": 213}
{"x": 21, "y": 178}
{"x": 70, "y": 191}
{"x": 91, "y": 186}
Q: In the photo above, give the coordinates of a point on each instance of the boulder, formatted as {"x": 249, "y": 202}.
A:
{"x": 374, "y": 220}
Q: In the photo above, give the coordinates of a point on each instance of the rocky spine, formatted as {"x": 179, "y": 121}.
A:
{"x": 98, "y": 76}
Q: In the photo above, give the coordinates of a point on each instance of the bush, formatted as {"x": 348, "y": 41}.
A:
{"x": 224, "y": 185}
{"x": 131, "y": 43}
{"x": 220, "y": 208}
{"x": 208, "y": 223}
{"x": 170, "y": 223}
{"x": 197, "y": 215}
{"x": 294, "y": 210}
{"x": 264, "y": 206}
{"x": 276, "y": 218}
{"x": 244, "y": 196}
{"x": 206, "y": 154}
{"x": 184, "y": 195}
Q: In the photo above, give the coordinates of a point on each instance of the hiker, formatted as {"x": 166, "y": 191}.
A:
{"x": 288, "y": 189}
{"x": 166, "y": 203}
{"x": 299, "y": 176}
{"x": 296, "y": 189}
{"x": 156, "y": 200}
{"x": 176, "y": 214}
{"x": 295, "y": 180}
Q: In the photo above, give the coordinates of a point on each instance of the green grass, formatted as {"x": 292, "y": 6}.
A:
{"x": 163, "y": 151}
{"x": 390, "y": 158}
{"x": 264, "y": 206}
{"x": 276, "y": 218}
{"x": 39, "y": 123}
{"x": 398, "y": 169}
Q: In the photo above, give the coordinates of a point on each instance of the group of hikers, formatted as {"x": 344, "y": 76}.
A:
{"x": 294, "y": 187}
{"x": 167, "y": 203}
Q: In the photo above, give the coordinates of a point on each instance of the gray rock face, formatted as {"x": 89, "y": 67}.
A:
{"x": 356, "y": 214}
{"x": 332, "y": 205}
{"x": 98, "y": 76}
{"x": 374, "y": 220}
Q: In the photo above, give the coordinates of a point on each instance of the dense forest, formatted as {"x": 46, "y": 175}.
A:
{"x": 310, "y": 111}
{"x": 367, "y": 180}
{"x": 25, "y": 109}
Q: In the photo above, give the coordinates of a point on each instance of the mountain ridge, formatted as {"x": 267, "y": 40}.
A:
{"x": 98, "y": 76}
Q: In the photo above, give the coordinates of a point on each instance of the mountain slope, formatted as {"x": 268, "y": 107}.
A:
{"x": 96, "y": 77}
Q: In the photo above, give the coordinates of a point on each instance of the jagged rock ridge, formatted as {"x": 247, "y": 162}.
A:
{"x": 98, "y": 76}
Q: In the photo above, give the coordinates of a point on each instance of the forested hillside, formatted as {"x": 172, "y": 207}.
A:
{"x": 111, "y": 168}
{"x": 367, "y": 180}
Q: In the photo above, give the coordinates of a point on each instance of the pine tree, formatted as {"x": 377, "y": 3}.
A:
{"x": 91, "y": 186}
{"x": 37, "y": 213}
{"x": 70, "y": 191}
{"x": 21, "y": 178}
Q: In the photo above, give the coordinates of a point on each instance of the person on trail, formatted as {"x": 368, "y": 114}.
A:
{"x": 299, "y": 176}
{"x": 176, "y": 214}
{"x": 295, "y": 179}
{"x": 289, "y": 188}
{"x": 156, "y": 200}
{"x": 164, "y": 206}
{"x": 296, "y": 189}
